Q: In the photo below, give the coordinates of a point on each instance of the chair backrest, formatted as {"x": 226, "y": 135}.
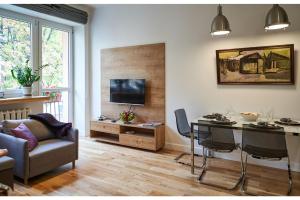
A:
{"x": 222, "y": 135}
{"x": 264, "y": 143}
{"x": 218, "y": 135}
{"x": 182, "y": 122}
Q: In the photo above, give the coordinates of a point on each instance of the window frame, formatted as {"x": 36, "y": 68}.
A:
{"x": 33, "y": 31}
{"x": 69, "y": 89}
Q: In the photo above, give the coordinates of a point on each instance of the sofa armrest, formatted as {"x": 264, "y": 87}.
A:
{"x": 18, "y": 150}
{"x": 73, "y": 137}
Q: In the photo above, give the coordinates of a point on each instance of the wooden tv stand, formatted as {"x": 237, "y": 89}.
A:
{"x": 133, "y": 135}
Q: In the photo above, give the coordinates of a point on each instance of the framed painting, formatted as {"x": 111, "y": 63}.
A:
{"x": 256, "y": 65}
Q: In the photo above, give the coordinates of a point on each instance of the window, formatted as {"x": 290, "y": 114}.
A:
{"x": 56, "y": 77}
{"x": 41, "y": 42}
{"x": 55, "y": 53}
{"x": 15, "y": 49}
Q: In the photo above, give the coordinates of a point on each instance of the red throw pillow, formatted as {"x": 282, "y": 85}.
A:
{"x": 22, "y": 131}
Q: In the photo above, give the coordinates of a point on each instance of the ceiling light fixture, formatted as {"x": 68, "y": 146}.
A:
{"x": 220, "y": 24}
{"x": 277, "y": 18}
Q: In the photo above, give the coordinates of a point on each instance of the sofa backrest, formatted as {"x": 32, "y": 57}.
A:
{"x": 38, "y": 129}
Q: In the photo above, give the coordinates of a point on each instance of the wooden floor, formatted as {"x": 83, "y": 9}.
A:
{"x": 105, "y": 169}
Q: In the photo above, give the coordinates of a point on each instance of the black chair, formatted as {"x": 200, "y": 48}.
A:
{"x": 264, "y": 144}
{"x": 222, "y": 141}
{"x": 184, "y": 129}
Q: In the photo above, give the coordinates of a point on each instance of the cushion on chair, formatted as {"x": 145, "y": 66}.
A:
{"x": 23, "y": 132}
{"x": 38, "y": 129}
{"x": 6, "y": 163}
{"x": 50, "y": 154}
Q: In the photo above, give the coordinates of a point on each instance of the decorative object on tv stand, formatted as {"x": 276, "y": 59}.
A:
{"x": 26, "y": 76}
{"x": 127, "y": 116}
{"x": 256, "y": 65}
{"x": 220, "y": 24}
{"x": 277, "y": 18}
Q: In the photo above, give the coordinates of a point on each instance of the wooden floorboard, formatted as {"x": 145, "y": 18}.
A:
{"x": 105, "y": 169}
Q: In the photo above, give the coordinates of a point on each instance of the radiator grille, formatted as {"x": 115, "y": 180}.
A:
{"x": 14, "y": 114}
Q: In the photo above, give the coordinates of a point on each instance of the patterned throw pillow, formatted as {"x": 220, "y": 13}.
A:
{"x": 23, "y": 132}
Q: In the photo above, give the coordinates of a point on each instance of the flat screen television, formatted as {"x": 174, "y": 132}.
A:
{"x": 127, "y": 91}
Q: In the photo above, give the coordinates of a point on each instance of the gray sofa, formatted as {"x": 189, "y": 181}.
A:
{"x": 51, "y": 152}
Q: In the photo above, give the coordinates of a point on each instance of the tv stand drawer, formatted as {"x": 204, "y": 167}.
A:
{"x": 105, "y": 127}
{"x": 138, "y": 141}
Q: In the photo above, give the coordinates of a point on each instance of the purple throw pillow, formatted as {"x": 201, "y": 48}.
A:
{"x": 22, "y": 131}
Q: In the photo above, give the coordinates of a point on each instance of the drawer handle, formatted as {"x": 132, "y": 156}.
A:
{"x": 139, "y": 141}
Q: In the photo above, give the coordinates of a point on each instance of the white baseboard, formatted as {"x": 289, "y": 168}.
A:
{"x": 236, "y": 156}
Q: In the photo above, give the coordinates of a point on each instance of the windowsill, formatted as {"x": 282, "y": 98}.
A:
{"x": 16, "y": 100}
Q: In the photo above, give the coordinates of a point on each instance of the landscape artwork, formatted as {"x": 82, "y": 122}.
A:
{"x": 256, "y": 65}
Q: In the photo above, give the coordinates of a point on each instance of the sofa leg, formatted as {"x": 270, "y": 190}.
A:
{"x": 25, "y": 181}
{"x": 73, "y": 164}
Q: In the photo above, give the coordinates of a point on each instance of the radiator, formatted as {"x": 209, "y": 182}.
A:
{"x": 14, "y": 114}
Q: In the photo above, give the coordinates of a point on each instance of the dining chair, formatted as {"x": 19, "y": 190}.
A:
{"x": 184, "y": 130}
{"x": 264, "y": 144}
{"x": 222, "y": 141}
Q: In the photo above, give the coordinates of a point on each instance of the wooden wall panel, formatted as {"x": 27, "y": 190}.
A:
{"x": 135, "y": 62}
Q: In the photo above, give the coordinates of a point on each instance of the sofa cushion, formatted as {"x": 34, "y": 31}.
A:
{"x": 6, "y": 163}
{"x": 50, "y": 154}
{"x": 38, "y": 129}
{"x": 23, "y": 132}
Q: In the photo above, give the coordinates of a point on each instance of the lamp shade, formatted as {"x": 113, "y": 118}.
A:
{"x": 220, "y": 24}
{"x": 276, "y": 18}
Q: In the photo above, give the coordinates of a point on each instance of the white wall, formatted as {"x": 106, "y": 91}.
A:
{"x": 81, "y": 74}
{"x": 190, "y": 59}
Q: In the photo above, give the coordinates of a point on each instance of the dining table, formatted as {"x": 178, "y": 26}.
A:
{"x": 239, "y": 122}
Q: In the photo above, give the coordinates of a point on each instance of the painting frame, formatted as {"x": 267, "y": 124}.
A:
{"x": 291, "y": 80}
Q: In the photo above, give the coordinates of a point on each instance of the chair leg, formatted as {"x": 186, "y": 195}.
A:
{"x": 204, "y": 156}
{"x": 215, "y": 185}
{"x": 243, "y": 187}
{"x": 25, "y": 181}
{"x": 192, "y": 152}
{"x": 204, "y": 166}
{"x": 290, "y": 177}
{"x": 242, "y": 172}
{"x": 180, "y": 156}
{"x": 177, "y": 159}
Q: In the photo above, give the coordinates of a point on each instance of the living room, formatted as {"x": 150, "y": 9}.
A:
{"x": 148, "y": 99}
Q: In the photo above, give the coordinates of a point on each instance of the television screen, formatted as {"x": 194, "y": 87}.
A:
{"x": 127, "y": 91}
